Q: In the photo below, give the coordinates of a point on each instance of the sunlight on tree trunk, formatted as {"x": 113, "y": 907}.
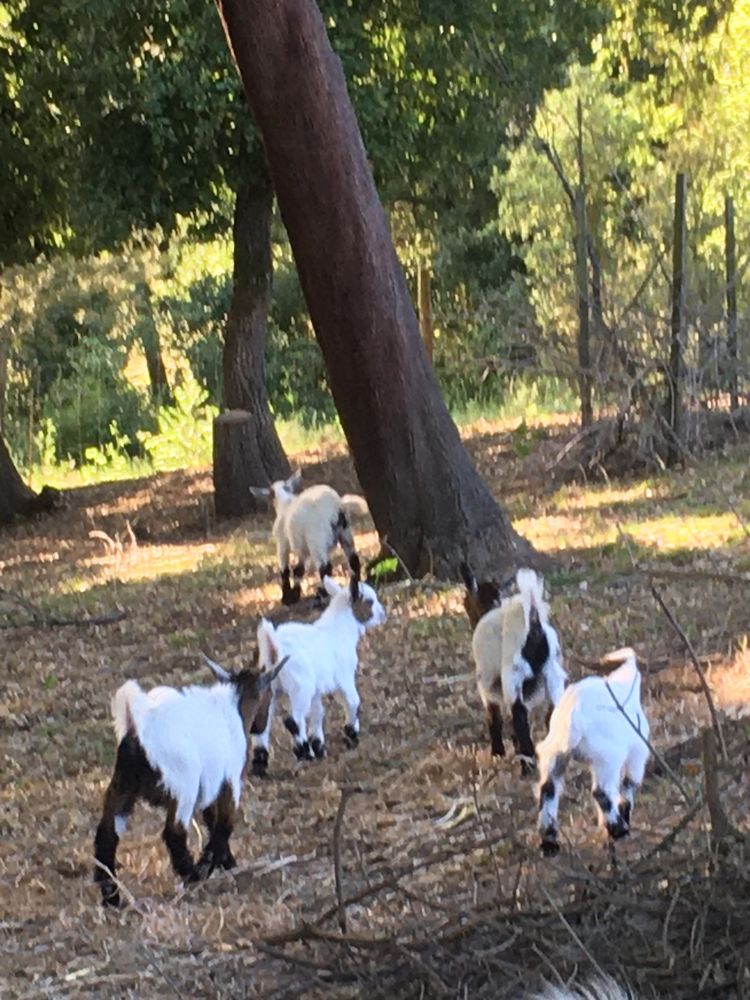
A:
{"x": 425, "y": 497}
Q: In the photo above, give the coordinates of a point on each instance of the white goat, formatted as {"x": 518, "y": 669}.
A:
{"x": 322, "y": 660}
{"x": 598, "y": 720}
{"x": 518, "y": 661}
{"x": 600, "y": 988}
{"x": 185, "y": 749}
{"x": 309, "y": 525}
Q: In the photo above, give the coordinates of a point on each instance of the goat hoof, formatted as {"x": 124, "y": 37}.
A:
{"x": 260, "y": 763}
{"x": 498, "y": 751}
{"x": 618, "y": 830}
{"x": 318, "y": 748}
{"x": 228, "y": 862}
{"x": 291, "y": 595}
{"x": 528, "y": 766}
{"x": 351, "y": 734}
{"x": 550, "y": 848}
{"x": 110, "y": 896}
{"x": 302, "y": 751}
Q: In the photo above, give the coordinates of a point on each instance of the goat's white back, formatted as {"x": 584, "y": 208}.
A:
{"x": 194, "y": 736}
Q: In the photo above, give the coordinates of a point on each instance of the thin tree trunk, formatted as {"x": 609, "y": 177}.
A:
{"x": 424, "y": 294}
{"x": 731, "y": 279}
{"x": 675, "y": 415}
{"x": 247, "y": 450}
{"x": 161, "y": 392}
{"x": 16, "y": 499}
{"x": 4, "y": 345}
{"x": 582, "y": 285}
{"x": 424, "y": 494}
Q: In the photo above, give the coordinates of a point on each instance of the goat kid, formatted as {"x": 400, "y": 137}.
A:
{"x": 181, "y": 748}
{"x": 309, "y": 525}
{"x": 600, "y": 721}
{"x": 323, "y": 660}
{"x": 518, "y": 661}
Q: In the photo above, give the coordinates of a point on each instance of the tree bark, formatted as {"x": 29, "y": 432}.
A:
{"x": 426, "y": 499}
{"x": 161, "y": 393}
{"x": 424, "y": 296}
{"x": 247, "y": 451}
{"x": 675, "y": 403}
{"x": 16, "y": 499}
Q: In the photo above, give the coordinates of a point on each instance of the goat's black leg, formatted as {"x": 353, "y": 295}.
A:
{"x": 495, "y": 729}
{"x": 174, "y": 836}
{"x": 522, "y": 737}
{"x": 321, "y": 594}
{"x": 217, "y": 852}
{"x": 119, "y": 801}
{"x": 132, "y": 776}
{"x": 290, "y": 594}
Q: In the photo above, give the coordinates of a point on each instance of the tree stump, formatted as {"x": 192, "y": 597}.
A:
{"x": 237, "y": 465}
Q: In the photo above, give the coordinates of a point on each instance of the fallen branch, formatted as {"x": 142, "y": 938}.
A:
{"x": 701, "y": 675}
{"x": 45, "y": 620}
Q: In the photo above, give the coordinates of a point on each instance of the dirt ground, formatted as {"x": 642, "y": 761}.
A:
{"x": 445, "y": 892}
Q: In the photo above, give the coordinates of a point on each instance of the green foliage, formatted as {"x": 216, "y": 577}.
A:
{"x": 184, "y": 435}
{"x": 94, "y": 405}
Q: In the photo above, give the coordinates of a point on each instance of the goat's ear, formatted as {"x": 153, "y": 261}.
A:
{"x": 268, "y": 676}
{"x": 218, "y": 670}
{"x": 294, "y": 482}
{"x": 331, "y": 587}
{"x": 467, "y": 575}
{"x": 260, "y": 492}
{"x": 267, "y": 646}
{"x": 354, "y": 588}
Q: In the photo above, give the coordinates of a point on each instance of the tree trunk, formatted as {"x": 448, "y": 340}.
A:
{"x": 730, "y": 248}
{"x": 426, "y": 499}
{"x": 675, "y": 404}
{"x": 161, "y": 394}
{"x": 16, "y": 499}
{"x": 424, "y": 290}
{"x": 247, "y": 451}
{"x": 582, "y": 283}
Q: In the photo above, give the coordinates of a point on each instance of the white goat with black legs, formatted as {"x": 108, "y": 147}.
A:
{"x": 309, "y": 525}
{"x": 185, "y": 749}
{"x": 323, "y": 660}
{"x": 518, "y": 662}
{"x": 598, "y": 720}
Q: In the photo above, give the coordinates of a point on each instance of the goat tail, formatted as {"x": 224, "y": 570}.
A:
{"x": 123, "y": 714}
{"x": 354, "y": 505}
{"x": 531, "y": 589}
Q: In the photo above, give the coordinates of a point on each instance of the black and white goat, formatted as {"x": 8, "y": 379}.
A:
{"x": 600, "y": 721}
{"x": 323, "y": 660}
{"x": 518, "y": 662}
{"x": 309, "y": 525}
{"x": 184, "y": 749}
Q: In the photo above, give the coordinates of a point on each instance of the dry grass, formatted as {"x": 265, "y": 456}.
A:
{"x": 449, "y": 897}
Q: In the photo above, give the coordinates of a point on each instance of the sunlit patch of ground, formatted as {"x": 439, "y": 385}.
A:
{"x": 433, "y": 797}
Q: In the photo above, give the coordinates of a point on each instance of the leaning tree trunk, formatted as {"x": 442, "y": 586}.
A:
{"x": 426, "y": 499}
{"x": 16, "y": 499}
{"x": 247, "y": 450}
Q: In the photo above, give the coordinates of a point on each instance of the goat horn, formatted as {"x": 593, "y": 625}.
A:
{"x": 268, "y": 676}
{"x": 219, "y": 671}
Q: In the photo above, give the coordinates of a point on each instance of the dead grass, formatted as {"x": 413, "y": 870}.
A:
{"x": 448, "y": 896}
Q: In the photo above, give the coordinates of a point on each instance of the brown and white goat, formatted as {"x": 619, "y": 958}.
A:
{"x": 183, "y": 749}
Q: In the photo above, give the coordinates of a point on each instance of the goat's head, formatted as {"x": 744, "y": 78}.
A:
{"x": 479, "y": 597}
{"x": 253, "y": 690}
{"x": 362, "y": 599}
{"x": 281, "y": 492}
